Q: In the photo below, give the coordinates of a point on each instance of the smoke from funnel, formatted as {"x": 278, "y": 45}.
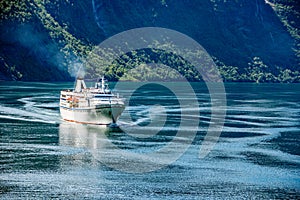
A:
{"x": 77, "y": 69}
{"x": 81, "y": 72}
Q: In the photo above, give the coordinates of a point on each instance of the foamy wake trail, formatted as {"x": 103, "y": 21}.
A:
{"x": 29, "y": 112}
{"x": 143, "y": 113}
{"x": 27, "y": 119}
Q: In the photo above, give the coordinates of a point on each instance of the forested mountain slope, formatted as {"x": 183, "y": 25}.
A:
{"x": 42, "y": 40}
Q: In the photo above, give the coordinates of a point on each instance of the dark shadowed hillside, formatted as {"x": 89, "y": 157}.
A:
{"x": 42, "y": 40}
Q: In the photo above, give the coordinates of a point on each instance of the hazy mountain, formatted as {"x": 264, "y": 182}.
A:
{"x": 41, "y": 40}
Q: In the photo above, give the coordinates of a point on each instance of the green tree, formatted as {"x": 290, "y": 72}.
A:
{"x": 259, "y": 72}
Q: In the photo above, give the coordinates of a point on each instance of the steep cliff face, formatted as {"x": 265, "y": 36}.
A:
{"x": 233, "y": 31}
{"x": 40, "y": 40}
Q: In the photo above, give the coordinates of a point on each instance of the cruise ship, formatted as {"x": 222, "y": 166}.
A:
{"x": 95, "y": 105}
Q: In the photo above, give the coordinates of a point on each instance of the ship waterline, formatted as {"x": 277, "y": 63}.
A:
{"x": 101, "y": 115}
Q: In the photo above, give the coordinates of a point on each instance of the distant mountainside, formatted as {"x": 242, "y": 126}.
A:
{"x": 257, "y": 40}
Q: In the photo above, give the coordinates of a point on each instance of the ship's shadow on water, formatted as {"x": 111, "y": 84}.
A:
{"x": 112, "y": 147}
{"x": 81, "y": 135}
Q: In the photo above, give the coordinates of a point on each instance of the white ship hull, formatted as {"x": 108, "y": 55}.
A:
{"x": 102, "y": 115}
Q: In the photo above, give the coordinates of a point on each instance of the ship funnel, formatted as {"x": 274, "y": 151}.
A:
{"x": 80, "y": 85}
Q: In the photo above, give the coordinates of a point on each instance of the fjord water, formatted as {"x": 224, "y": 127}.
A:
{"x": 257, "y": 155}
